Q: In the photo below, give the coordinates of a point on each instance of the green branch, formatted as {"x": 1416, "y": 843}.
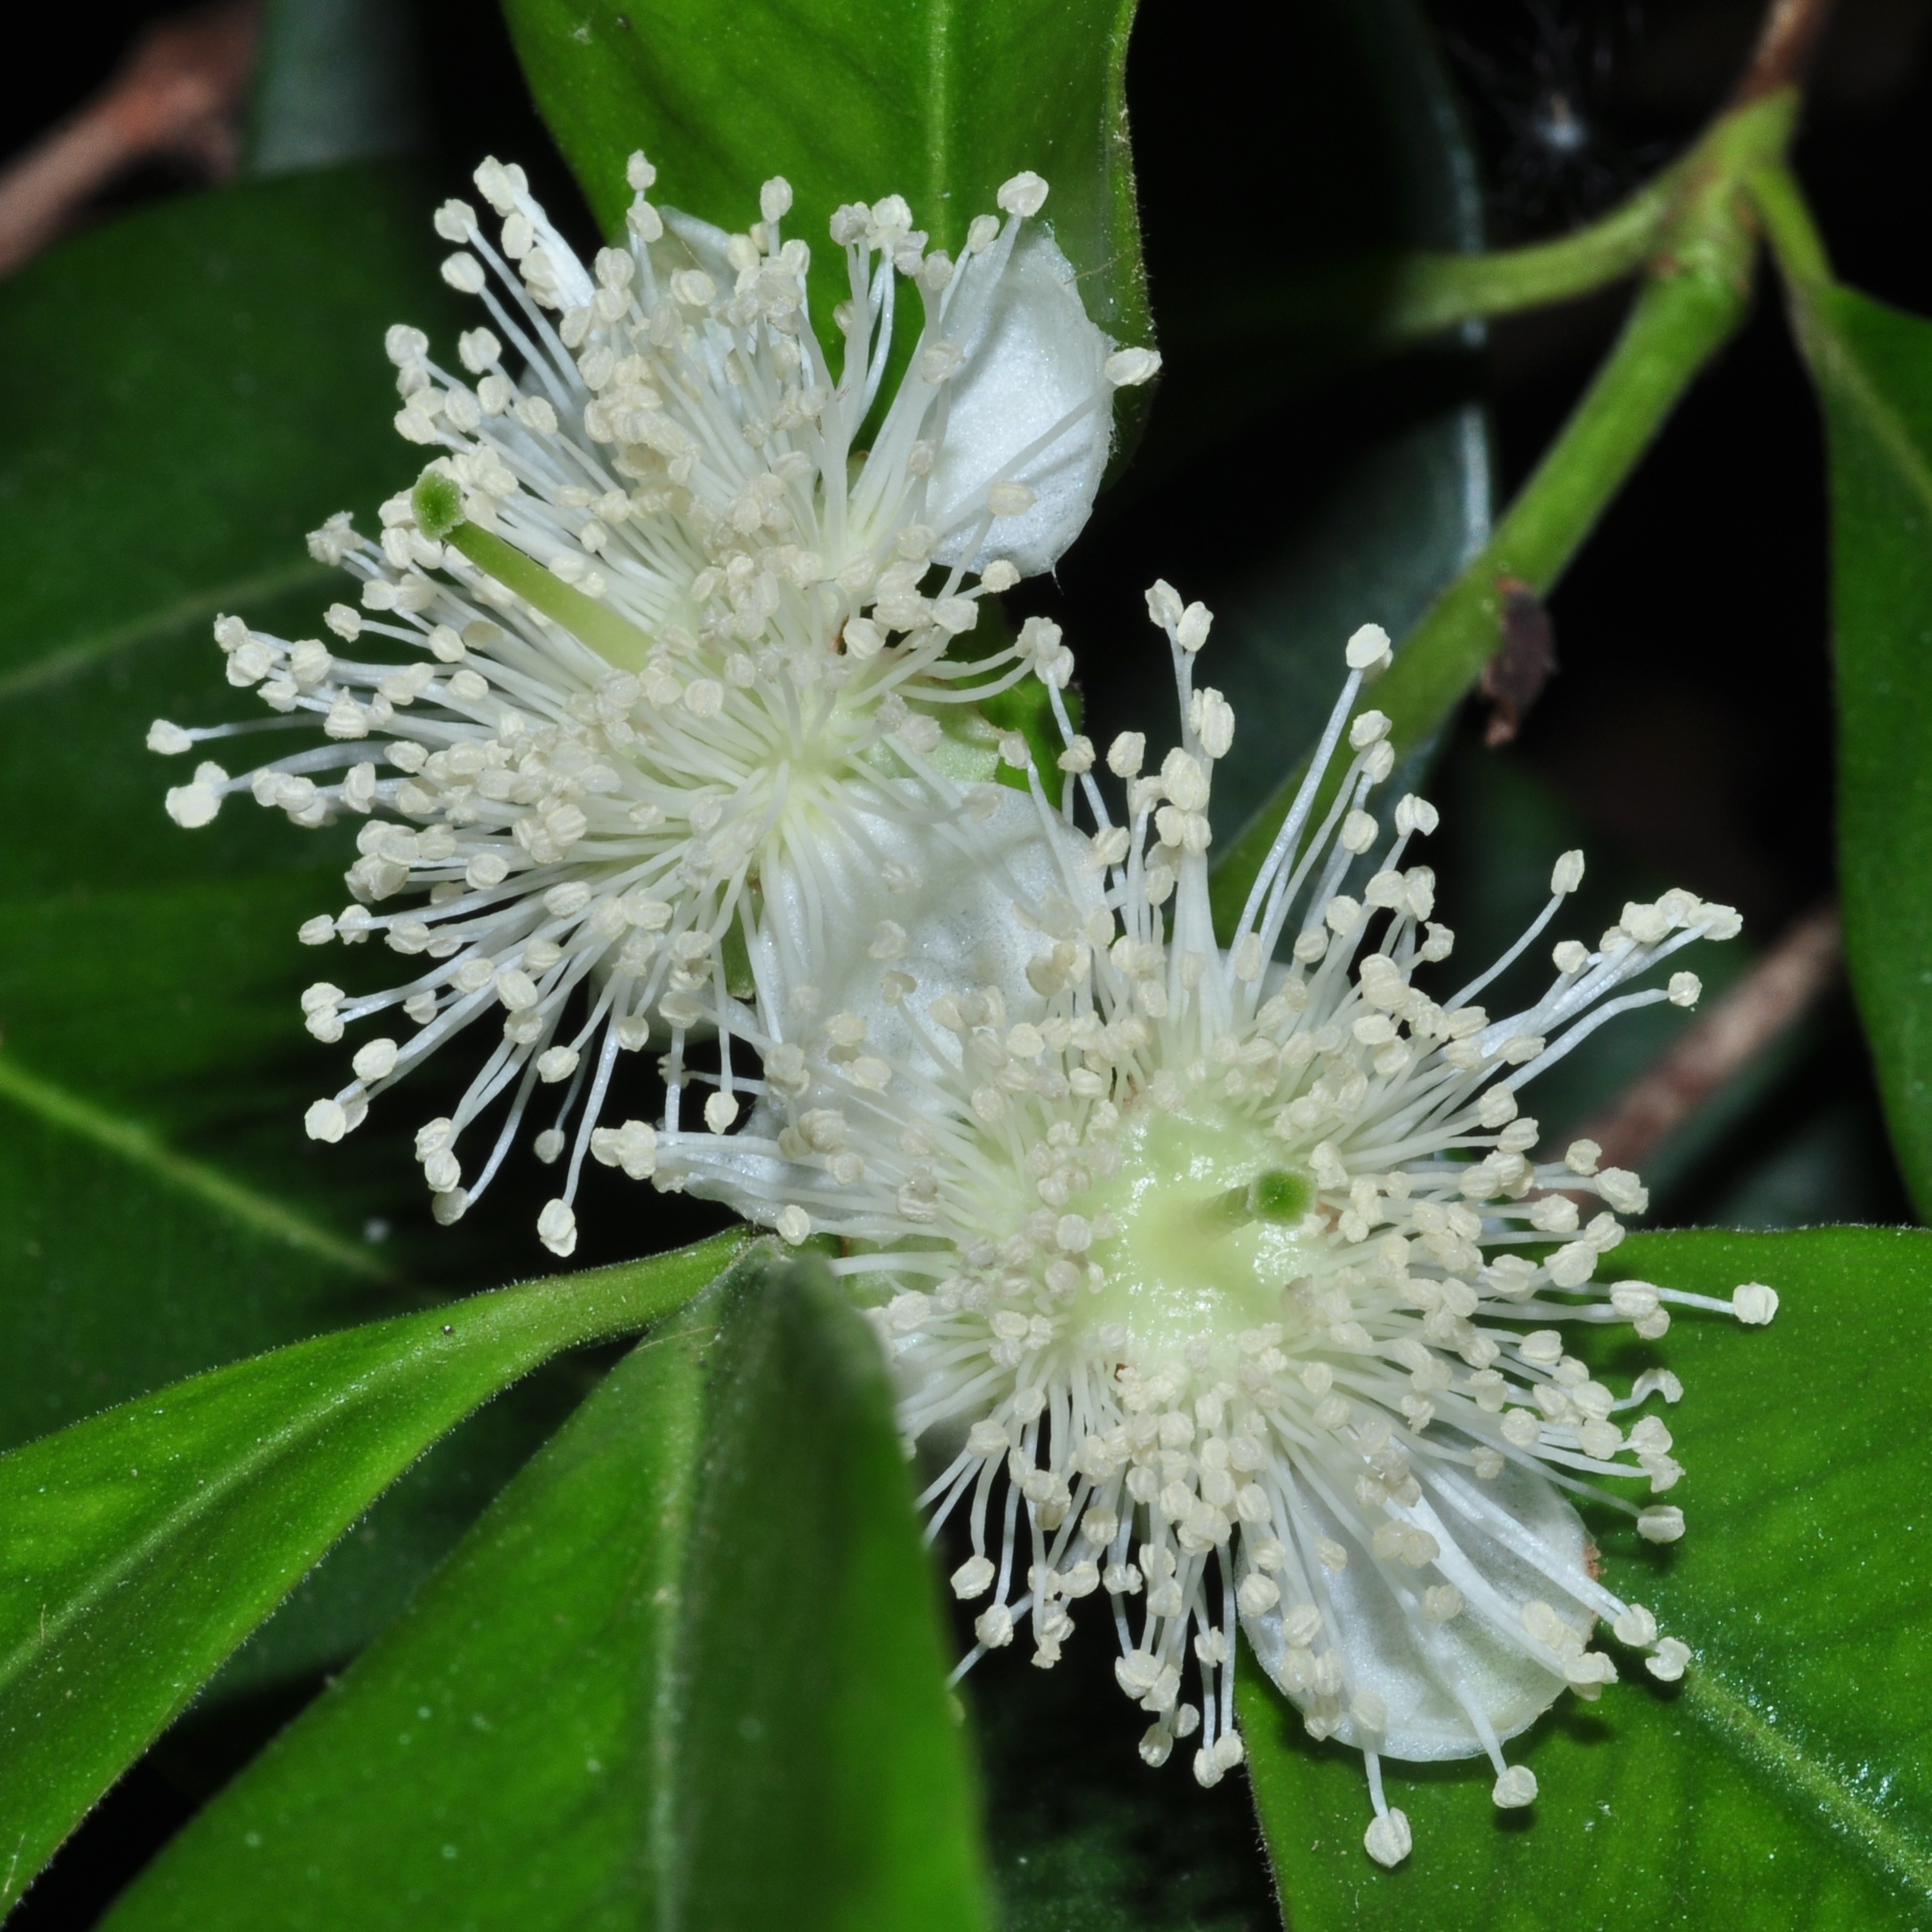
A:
{"x": 1386, "y": 302}
{"x": 1431, "y": 292}
{"x": 1692, "y": 299}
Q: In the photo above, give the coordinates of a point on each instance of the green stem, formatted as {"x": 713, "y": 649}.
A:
{"x": 1382, "y": 302}
{"x": 1690, "y": 303}
{"x": 1431, "y": 292}
{"x": 1793, "y": 235}
{"x": 1391, "y": 300}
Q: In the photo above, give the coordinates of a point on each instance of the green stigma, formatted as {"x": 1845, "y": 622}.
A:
{"x": 1275, "y": 1194}
{"x": 437, "y": 501}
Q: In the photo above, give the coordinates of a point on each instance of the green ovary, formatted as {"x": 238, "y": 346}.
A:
{"x": 1213, "y": 1234}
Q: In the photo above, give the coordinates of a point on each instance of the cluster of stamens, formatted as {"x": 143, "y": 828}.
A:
{"x": 1234, "y": 1287}
{"x": 665, "y": 625}
{"x": 1225, "y": 1279}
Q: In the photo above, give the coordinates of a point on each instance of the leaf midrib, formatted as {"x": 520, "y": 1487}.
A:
{"x": 363, "y": 1390}
{"x": 54, "y": 1103}
{"x": 1727, "y": 1711}
{"x": 205, "y": 1497}
{"x": 91, "y": 648}
{"x": 939, "y": 138}
{"x": 1855, "y": 386}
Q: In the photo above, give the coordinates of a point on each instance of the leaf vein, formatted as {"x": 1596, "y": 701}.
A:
{"x": 1887, "y": 427}
{"x": 939, "y": 144}
{"x": 201, "y": 1502}
{"x": 1725, "y": 1711}
{"x": 197, "y": 605}
{"x": 140, "y": 1149}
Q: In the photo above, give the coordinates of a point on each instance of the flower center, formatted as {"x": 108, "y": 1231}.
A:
{"x": 1211, "y": 1230}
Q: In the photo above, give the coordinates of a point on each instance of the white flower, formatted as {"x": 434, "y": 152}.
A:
{"x": 670, "y": 629}
{"x": 737, "y": 452}
{"x": 1233, "y": 1291}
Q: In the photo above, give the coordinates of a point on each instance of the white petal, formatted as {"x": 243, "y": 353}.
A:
{"x": 959, "y": 914}
{"x": 963, "y": 937}
{"x": 574, "y": 285}
{"x": 1385, "y": 1652}
{"x": 1032, "y": 357}
{"x": 706, "y": 242}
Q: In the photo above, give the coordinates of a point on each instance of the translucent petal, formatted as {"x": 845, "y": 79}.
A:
{"x": 705, "y": 242}
{"x": 958, "y": 911}
{"x": 1430, "y": 1675}
{"x": 1032, "y": 357}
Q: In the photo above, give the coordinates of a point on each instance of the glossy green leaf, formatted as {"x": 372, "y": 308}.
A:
{"x": 814, "y": 1715}
{"x": 143, "y": 1544}
{"x": 686, "y": 1671}
{"x": 938, "y": 100}
{"x": 1786, "y": 1782}
{"x": 1874, "y": 366}
{"x": 186, "y": 391}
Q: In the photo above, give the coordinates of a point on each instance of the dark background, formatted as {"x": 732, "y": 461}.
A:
{"x": 1688, "y": 734}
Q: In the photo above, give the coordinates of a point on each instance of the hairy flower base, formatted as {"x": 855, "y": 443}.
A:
{"x": 1233, "y": 1291}
{"x": 672, "y": 629}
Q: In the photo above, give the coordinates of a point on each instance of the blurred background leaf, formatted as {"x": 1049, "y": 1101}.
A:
{"x": 686, "y": 1670}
